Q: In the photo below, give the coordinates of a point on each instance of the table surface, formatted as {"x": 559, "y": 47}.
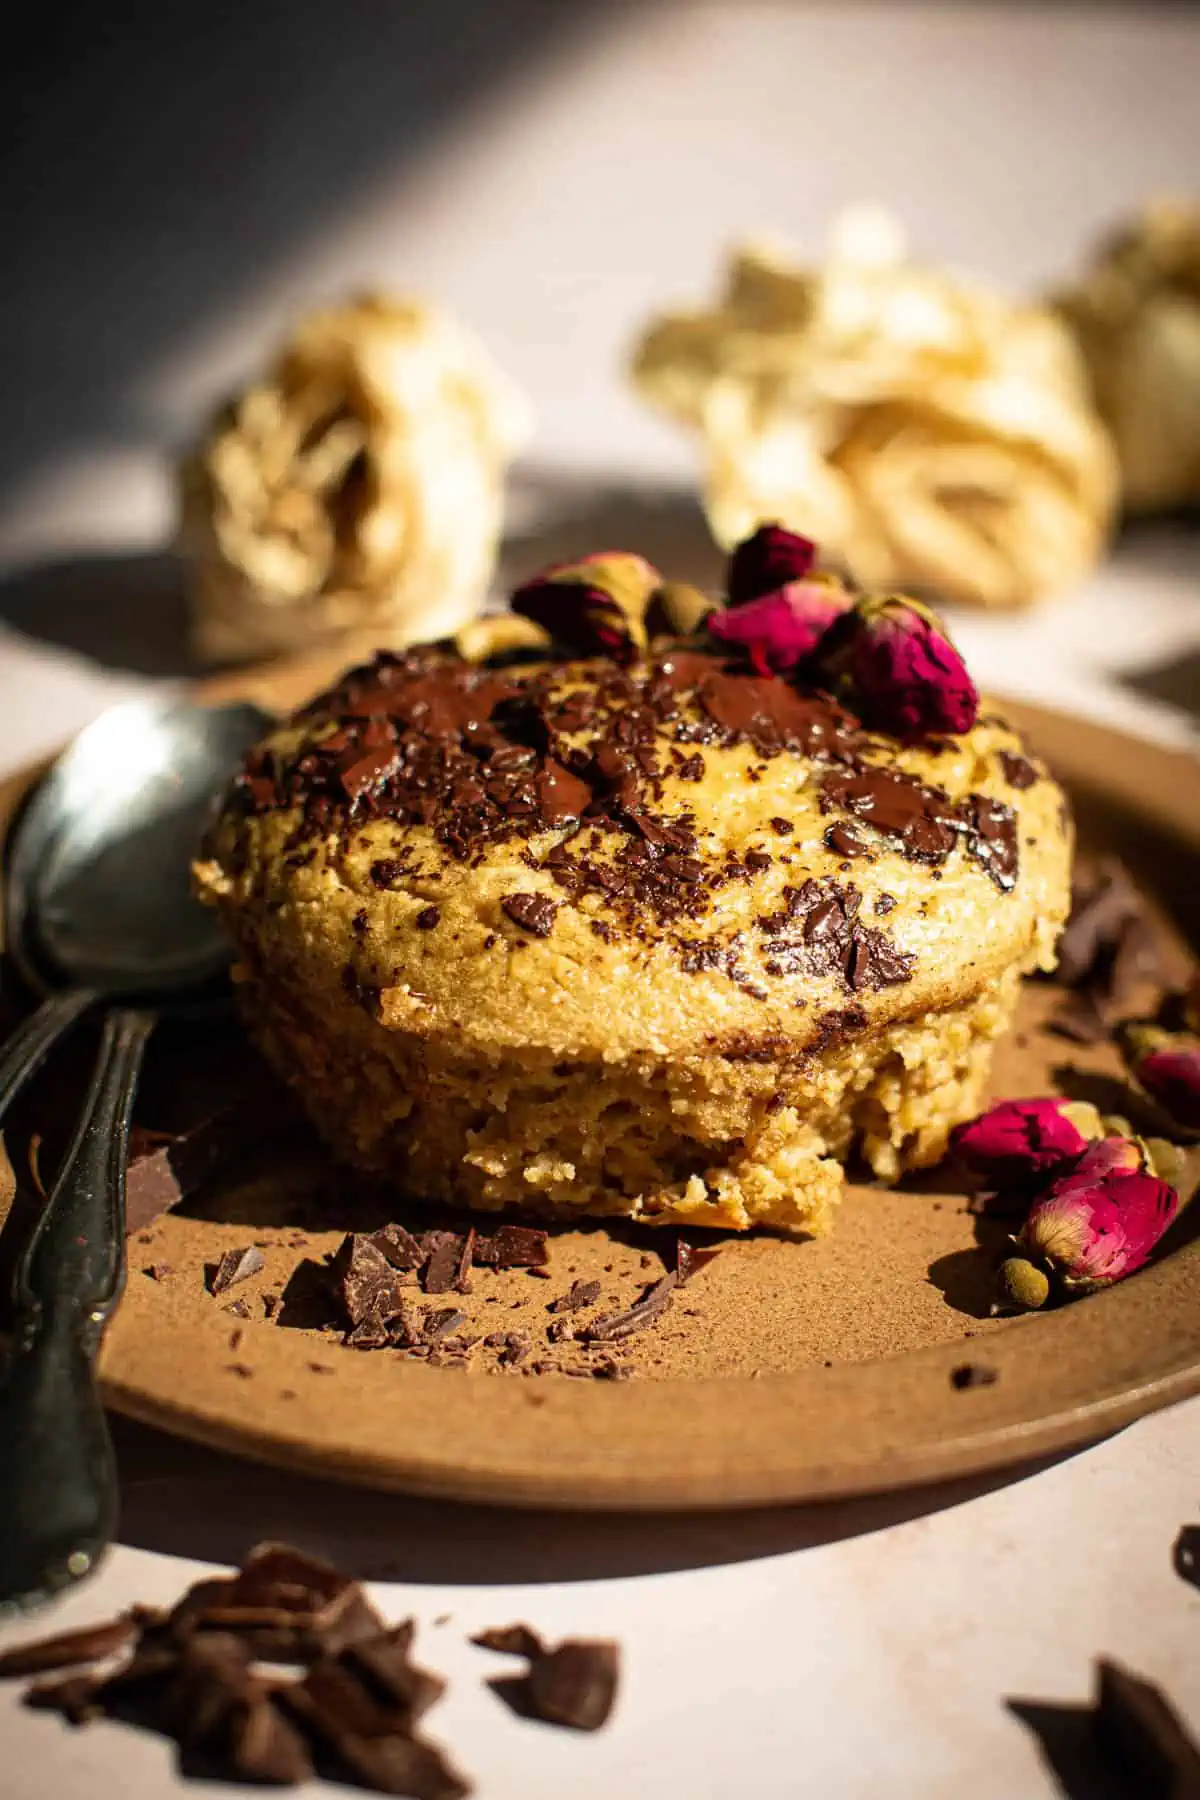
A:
{"x": 913, "y": 1646}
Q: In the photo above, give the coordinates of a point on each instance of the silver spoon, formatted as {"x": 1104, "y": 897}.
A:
{"x": 98, "y": 910}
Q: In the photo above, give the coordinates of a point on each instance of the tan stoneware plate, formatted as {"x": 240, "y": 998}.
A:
{"x": 784, "y": 1371}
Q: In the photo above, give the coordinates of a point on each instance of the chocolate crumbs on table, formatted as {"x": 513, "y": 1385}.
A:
{"x": 235, "y": 1266}
{"x": 350, "y": 1714}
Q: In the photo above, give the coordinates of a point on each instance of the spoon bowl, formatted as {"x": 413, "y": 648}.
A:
{"x": 98, "y": 891}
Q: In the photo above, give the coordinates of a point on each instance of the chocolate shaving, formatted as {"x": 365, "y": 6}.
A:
{"x": 644, "y": 1312}
{"x": 579, "y": 1294}
{"x": 1139, "y": 1732}
{"x": 69, "y": 1649}
{"x": 689, "y": 1259}
{"x": 235, "y": 1266}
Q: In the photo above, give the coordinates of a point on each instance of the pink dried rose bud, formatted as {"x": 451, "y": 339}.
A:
{"x": 1097, "y": 1225}
{"x": 1021, "y": 1142}
{"x": 594, "y": 607}
{"x": 1167, "y": 1067}
{"x": 768, "y": 560}
{"x": 900, "y": 670}
{"x": 779, "y": 630}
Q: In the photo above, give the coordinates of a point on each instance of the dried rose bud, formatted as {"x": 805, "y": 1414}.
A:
{"x": 1022, "y": 1141}
{"x": 779, "y": 630}
{"x": 1167, "y": 1067}
{"x": 594, "y": 607}
{"x": 1097, "y": 1224}
{"x": 900, "y": 670}
{"x": 767, "y": 561}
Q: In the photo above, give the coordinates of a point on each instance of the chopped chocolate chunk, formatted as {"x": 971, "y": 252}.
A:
{"x": 782, "y": 827}
{"x": 428, "y": 917}
{"x": 653, "y": 1303}
{"x": 158, "y": 1271}
{"x": 1140, "y": 1733}
{"x": 972, "y": 1375}
{"x": 1018, "y": 771}
{"x": 367, "y": 1284}
{"x": 516, "y": 1349}
{"x": 690, "y": 1259}
{"x": 76, "y": 1697}
{"x": 360, "y": 1739}
{"x": 69, "y": 1649}
{"x": 370, "y": 1334}
{"x": 384, "y": 1666}
{"x": 398, "y": 1246}
{"x": 534, "y": 913}
{"x": 444, "y": 1249}
{"x": 438, "y": 1325}
{"x": 513, "y": 1247}
{"x": 575, "y": 1684}
{"x": 237, "y": 1309}
{"x": 235, "y": 1266}
{"x": 1185, "y": 1555}
{"x": 1104, "y": 902}
{"x": 579, "y": 1294}
{"x": 885, "y": 903}
{"x": 843, "y": 840}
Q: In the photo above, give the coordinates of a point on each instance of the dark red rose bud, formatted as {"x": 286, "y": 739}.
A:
{"x": 593, "y": 607}
{"x": 1167, "y": 1067}
{"x": 899, "y": 669}
{"x": 1094, "y": 1227}
{"x": 1022, "y": 1142}
{"x": 779, "y": 630}
{"x": 769, "y": 560}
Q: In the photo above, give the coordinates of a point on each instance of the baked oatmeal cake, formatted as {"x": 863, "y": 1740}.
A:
{"x": 621, "y": 923}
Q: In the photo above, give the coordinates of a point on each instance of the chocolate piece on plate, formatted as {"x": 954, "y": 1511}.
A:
{"x": 234, "y": 1266}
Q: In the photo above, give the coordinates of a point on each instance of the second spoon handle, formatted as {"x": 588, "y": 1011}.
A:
{"x": 58, "y": 1482}
{"x": 35, "y": 1037}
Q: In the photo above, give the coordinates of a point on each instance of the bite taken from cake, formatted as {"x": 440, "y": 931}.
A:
{"x": 632, "y": 904}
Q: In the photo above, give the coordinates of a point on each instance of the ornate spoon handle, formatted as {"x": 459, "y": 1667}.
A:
{"x": 58, "y": 1481}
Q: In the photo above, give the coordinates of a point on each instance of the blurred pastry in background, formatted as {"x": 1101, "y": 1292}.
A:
{"x": 931, "y": 434}
{"x": 355, "y": 494}
{"x": 1136, "y": 314}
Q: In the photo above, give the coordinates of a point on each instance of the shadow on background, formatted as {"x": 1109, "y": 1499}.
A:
{"x": 181, "y": 1500}
{"x": 161, "y": 159}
